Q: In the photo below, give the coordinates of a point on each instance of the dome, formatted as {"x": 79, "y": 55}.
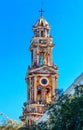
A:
{"x": 42, "y": 22}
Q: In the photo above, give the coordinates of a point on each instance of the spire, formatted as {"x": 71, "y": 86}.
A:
{"x": 41, "y": 11}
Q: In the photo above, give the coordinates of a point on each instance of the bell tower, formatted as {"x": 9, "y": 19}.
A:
{"x": 41, "y": 44}
{"x": 41, "y": 77}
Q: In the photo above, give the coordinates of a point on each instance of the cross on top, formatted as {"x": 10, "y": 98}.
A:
{"x": 41, "y": 11}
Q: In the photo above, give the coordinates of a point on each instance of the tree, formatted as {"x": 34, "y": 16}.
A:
{"x": 66, "y": 113}
{"x": 8, "y": 124}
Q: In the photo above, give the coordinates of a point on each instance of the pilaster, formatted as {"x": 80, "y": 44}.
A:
{"x": 53, "y": 85}
{"x": 35, "y": 88}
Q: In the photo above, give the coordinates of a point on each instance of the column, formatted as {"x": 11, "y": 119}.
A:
{"x": 30, "y": 88}
{"x": 53, "y": 85}
{"x": 38, "y": 55}
{"x": 50, "y": 56}
{"x": 35, "y": 88}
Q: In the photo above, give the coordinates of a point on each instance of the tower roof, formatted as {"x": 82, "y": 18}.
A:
{"x": 41, "y": 23}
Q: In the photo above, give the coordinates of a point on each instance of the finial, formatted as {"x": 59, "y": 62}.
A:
{"x": 41, "y": 11}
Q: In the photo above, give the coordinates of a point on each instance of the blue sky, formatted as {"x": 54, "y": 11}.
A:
{"x": 16, "y": 20}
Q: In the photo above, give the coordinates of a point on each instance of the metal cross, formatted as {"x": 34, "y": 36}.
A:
{"x": 41, "y": 11}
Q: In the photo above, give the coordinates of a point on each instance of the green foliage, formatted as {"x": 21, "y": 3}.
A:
{"x": 66, "y": 113}
{"x": 8, "y": 124}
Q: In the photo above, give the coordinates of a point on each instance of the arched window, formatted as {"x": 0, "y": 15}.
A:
{"x": 41, "y": 23}
{"x": 39, "y": 92}
{"x": 42, "y": 34}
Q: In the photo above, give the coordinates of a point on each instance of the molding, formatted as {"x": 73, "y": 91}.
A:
{"x": 43, "y": 75}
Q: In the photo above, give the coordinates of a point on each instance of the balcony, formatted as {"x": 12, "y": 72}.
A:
{"x": 40, "y": 113}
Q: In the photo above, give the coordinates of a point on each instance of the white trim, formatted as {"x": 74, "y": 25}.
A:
{"x": 74, "y": 84}
{"x": 42, "y": 83}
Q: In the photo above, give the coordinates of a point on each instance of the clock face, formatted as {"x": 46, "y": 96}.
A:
{"x": 44, "y": 81}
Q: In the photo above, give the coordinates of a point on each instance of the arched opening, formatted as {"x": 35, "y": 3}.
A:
{"x": 42, "y": 34}
{"x": 39, "y": 92}
{"x": 41, "y": 23}
{"x": 41, "y": 59}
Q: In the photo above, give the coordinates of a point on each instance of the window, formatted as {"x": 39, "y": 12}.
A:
{"x": 42, "y": 33}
